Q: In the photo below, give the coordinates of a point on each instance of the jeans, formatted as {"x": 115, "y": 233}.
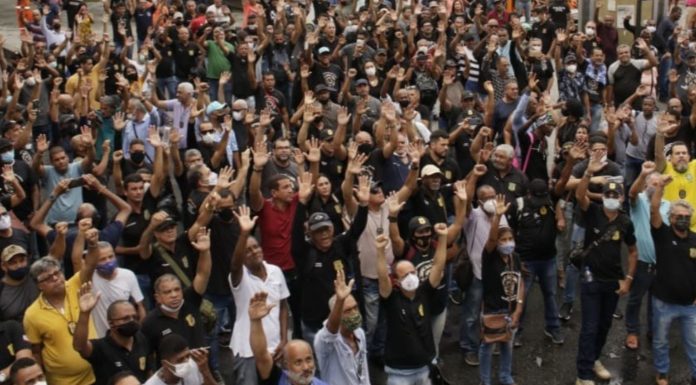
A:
{"x": 596, "y": 110}
{"x": 295, "y": 289}
{"x": 222, "y": 304}
{"x": 563, "y": 237}
{"x": 375, "y": 323}
{"x": 470, "y": 330}
{"x": 663, "y": 80}
{"x": 599, "y": 301}
{"x": 642, "y": 280}
{"x": 546, "y": 271}
{"x": 167, "y": 84}
{"x": 505, "y": 365}
{"x": 572, "y": 274}
{"x": 308, "y": 333}
{"x": 244, "y": 371}
{"x": 214, "y": 85}
{"x": 663, "y": 315}
{"x": 523, "y": 8}
{"x": 438, "y": 325}
{"x": 408, "y": 377}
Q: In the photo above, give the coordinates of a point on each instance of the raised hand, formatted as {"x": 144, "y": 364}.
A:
{"x": 88, "y": 300}
{"x": 224, "y": 178}
{"x": 500, "y": 206}
{"x": 8, "y": 174}
{"x": 460, "y": 190}
{"x": 596, "y": 164}
{"x": 394, "y": 205}
{"x": 61, "y": 228}
{"x": 355, "y": 164}
{"x": 117, "y": 156}
{"x": 363, "y": 190}
{"x": 258, "y": 308}
{"x": 342, "y": 289}
{"x": 260, "y": 153}
{"x": 202, "y": 242}
{"x": 92, "y": 237}
{"x": 647, "y": 167}
{"x": 153, "y": 136}
{"x": 480, "y": 170}
{"x": 343, "y": 116}
{"x": 440, "y": 229}
{"x": 314, "y": 154}
{"x": 578, "y": 151}
{"x": 41, "y": 144}
{"x": 246, "y": 222}
{"x": 158, "y": 218}
{"x": 86, "y": 136}
{"x": 306, "y": 186}
{"x": 119, "y": 121}
{"x": 381, "y": 242}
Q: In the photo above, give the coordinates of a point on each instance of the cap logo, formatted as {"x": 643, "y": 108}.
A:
{"x": 421, "y": 221}
{"x": 612, "y": 185}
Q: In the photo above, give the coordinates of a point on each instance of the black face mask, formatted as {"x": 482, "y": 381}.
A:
{"x": 226, "y": 215}
{"x": 421, "y": 241}
{"x": 137, "y": 157}
{"x": 132, "y": 77}
{"x": 404, "y": 103}
{"x": 18, "y": 274}
{"x": 365, "y": 148}
{"x": 128, "y": 329}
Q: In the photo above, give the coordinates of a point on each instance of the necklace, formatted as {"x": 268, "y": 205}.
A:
{"x": 71, "y": 324}
{"x": 378, "y": 225}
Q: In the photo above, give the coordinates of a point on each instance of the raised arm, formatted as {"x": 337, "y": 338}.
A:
{"x": 647, "y": 168}
{"x": 440, "y": 256}
{"x": 501, "y": 207}
{"x": 202, "y": 245}
{"x": 258, "y": 308}
{"x": 90, "y": 262}
{"x": 261, "y": 157}
{"x": 124, "y": 209}
{"x": 38, "y": 221}
{"x": 655, "y": 201}
{"x": 246, "y": 225}
{"x": 581, "y": 193}
{"x": 385, "y": 284}
{"x": 87, "y": 301}
{"x": 145, "y": 244}
{"x": 342, "y": 291}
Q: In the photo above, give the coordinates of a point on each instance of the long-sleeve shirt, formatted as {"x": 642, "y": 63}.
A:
{"x": 317, "y": 268}
{"x": 337, "y": 362}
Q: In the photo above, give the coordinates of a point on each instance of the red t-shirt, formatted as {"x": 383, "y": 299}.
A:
{"x": 276, "y": 233}
{"x": 196, "y": 23}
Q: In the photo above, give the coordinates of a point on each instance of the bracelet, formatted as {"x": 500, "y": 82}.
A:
{"x": 52, "y": 198}
{"x": 393, "y": 219}
{"x": 629, "y": 277}
{"x": 258, "y": 169}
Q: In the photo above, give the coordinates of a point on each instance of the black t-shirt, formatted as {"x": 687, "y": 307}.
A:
{"x": 533, "y": 151}
{"x": 626, "y": 80}
{"x": 500, "y": 281}
{"x": 184, "y": 255}
{"x": 559, "y": 11}
{"x": 241, "y": 86}
{"x": 132, "y": 231}
{"x": 423, "y": 264}
{"x": 430, "y": 205}
{"x": 185, "y": 59}
{"x": 611, "y": 169}
{"x": 109, "y": 358}
{"x": 165, "y": 68}
{"x": 11, "y": 341}
{"x": 535, "y": 231}
{"x": 27, "y": 179}
{"x": 409, "y": 343}
{"x": 188, "y": 324}
{"x": 222, "y": 236}
{"x": 545, "y": 31}
{"x": 675, "y": 281}
{"x": 684, "y": 134}
{"x": 604, "y": 260}
{"x": 513, "y": 184}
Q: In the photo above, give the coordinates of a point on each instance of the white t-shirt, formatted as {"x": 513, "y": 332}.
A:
{"x": 250, "y": 284}
{"x": 122, "y": 287}
{"x": 194, "y": 377}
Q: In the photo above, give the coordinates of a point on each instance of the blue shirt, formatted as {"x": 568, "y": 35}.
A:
{"x": 65, "y": 207}
{"x": 640, "y": 214}
{"x": 336, "y": 360}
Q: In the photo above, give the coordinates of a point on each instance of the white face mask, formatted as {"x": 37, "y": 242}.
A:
{"x": 31, "y": 82}
{"x": 650, "y": 28}
{"x": 571, "y": 68}
{"x": 611, "y": 204}
{"x": 410, "y": 282}
{"x": 146, "y": 186}
{"x": 533, "y": 19}
{"x": 370, "y": 71}
{"x": 589, "y": 31}
{"x": 212, "y": 179}
{"x": 237, "y": 115}
{"x": 208, "y": 138}
{"x": 489, "y": 206}
{"x": 41, "y": 383}
{"x": 183, "y": 369}
{"x": 172, "y": 309}
{"x": 5, "y": 222}
{"x": 604, "y": 158}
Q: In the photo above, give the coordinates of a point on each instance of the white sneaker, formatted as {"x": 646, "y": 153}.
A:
{"x": 584, "y": 382}
{"x": 601, "y": 372}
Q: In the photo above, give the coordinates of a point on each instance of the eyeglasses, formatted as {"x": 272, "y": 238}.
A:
{"x": 50, "y": 277}
{"x": 126, "y": 318}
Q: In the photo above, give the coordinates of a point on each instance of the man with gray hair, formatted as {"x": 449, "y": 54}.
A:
{"x": 624, "y": 75}
{"x": 499, "y": 171}
{"x": 136, "y": 126}
{"x": 50, "y": 322}
{"x": 179, "y": 108}
{"x": 674, "y": 287}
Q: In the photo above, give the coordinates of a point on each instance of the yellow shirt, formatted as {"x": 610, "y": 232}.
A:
{"x": 683, "y": 186}
{"x": 72, "y": 86}
{"x": 45, "y": 325}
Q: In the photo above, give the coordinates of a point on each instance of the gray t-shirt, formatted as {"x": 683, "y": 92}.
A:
{"x": 14, "y": 300}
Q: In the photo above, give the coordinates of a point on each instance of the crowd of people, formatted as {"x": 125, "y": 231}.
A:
{"x": 316, "y": 185}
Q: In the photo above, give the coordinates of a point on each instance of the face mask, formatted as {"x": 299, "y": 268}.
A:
{"x": 352, "y": 322}
{"x": 589, "y": 31}
{"x": 146, "y": 186}
{"x": 410, "y": 282}
{"x": 534, "y": 19}
{"x": 5, "y": 222}
{"x": 18, "y": 274}
{"x": 604, "y": 158}
{"x": 7, "y": 157}
{"x": 650, "y": 28}
{"x": 128, "y": 329}
{"x": 53, "y": 64}
{"x": 649, "y": 191}
{"x": 365, "y": 148}
{"x": 183, "y": 369}
{"x": 208, "y": 138}
{"x": 506, "y": 248}
{"x": 571, "y": 68}
{"x": 421, "y": 241}
{"x": 107, "y": 268}
{"x": 41, "y": 383}
{"x": 172, "y": 309}
{"x": 237, "y": 115}
{"x": 132, "y": 77}
{"x": 299, "y": 378}
{"x": 212, "y": 179}
{"x": 611, "y": 204}
{"x": 682, "y": 224}
{"x": 370, "y": 71}
{"x": 137, "y": 157}
{"x": 31, "y": 82}
{"x": 489, "y": 206}
{"x": 226, "y": 215}
{"x": 404, "y": 103}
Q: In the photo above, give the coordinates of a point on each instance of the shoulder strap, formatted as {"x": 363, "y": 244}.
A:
{"x": 175, "y": 266}
{"x": 529, "y": 151}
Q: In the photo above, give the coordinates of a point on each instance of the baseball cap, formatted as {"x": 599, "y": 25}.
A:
{"x": 612, "y": 187}
{"x": 323, "y": 50}
{"x": 321, "y": 88}
{"x": 215, "y": 106}
{"x": 326, "y": 134}
{"x": 429, "y": 170}
{"x": 467, "y": 95}
{"x": 570, "y": 58}
{"x": 167, "y": 223}
{"x": 417, "y": 223}
{"x": 538, "y": 192}
{"x": 12, "y": 250}
{"x": 361, "y": 82}
{"x": 178, "y": 15}
{"x": 319, "y": 220}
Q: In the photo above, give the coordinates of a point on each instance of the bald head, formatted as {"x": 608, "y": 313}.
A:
{"x": 299, "y": 360}
{"x": 403, "y": 268}
{"x": 240, "y": 104}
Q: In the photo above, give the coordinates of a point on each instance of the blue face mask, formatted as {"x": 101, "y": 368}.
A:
{"x": 506, "y": 248}
{"x": 107, "y": 268}
{"x": 7, "y": 157}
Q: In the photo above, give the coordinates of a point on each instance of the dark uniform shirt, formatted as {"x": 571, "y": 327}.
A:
{"x": 675, "y": 281}
{"x": 604, "y": 260}
{"x": 513, "y": 184}
{"x": 11, "y": 341}
{"x": 109, "y": 358}
{"x": 184, "y": 255}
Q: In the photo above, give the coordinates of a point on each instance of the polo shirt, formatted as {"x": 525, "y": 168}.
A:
{"x": 682, "y": 186}
{"x": 513, "y": 184}
{"x": 675, "y": 281}
{"x": 109, "y": 358}
{"x": 11, "y": 341}
{"x": 604, "y": 260}
{"x": 46, "y": 326}
{"x": 640, "y": 215}
{"x": 409, "y": 343}
{"x": 625, "y": 78}
{"x": 184, "y": 255}
{"x": 187, "y": 324}
{"x": 276, "y": 233}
